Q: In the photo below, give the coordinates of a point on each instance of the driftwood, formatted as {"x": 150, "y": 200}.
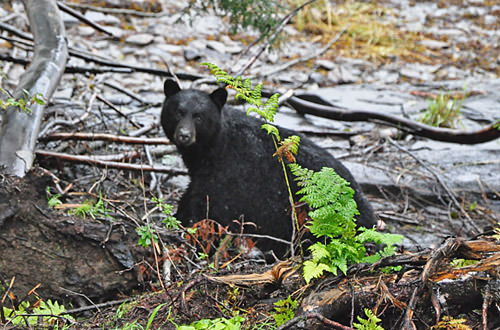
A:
{"x": 313, "y": 105}
{"x": 19, "y": 130}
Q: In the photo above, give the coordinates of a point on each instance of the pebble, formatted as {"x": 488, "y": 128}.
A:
{"x": 434, "y": 44}
{"x": 217, "y": 46}
{"x": 141, "y": 39}
{"x": 86, "y": 31}
{"x": 102, "y": 18}
{"x": 191, "y": 54}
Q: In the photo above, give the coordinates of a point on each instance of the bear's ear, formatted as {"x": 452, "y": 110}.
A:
{"x": 171, "y": 87}
{"x": 219, "y": 97}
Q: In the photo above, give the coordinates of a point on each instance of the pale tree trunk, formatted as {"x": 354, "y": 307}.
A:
{"x": 19, "y": 130}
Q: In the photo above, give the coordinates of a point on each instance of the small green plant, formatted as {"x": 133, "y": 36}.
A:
{"x": 461, "y": 263}
{"x": 45, "y": 308}
{"x": 53, "y": 199}
{"x": 370, "y": 323}
{"x": 170, "y": 221}
{"x": 92, "y": 209}
{"x": 259, "y": 14}
{"x": 443, "y": 111}
{"x": 220, "y": 323}
{"x": 284, "y": 310}
{"x": 23, "y": 103}
{"x": 497, "y": 232}
{"x": 146, "y": 235}
{"x": 83, "y": 210}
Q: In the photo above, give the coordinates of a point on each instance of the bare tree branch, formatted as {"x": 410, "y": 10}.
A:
{"x": 435, "y": 133}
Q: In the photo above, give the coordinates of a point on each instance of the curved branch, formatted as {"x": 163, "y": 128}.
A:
{"x": 19, "y": 130}
{"x": 440, "y": 134}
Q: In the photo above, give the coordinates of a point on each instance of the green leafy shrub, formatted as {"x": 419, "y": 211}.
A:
{"x": 170, "y": 220}
{"x": 93, "y": 209}
{"x": 259, "y": 14}
{"x": 53, "y": 199}
{"x": 23, "y": 103}
{"x": 146, "y": 235}
{"x": 333, "y": 221}
{"x": 284, "y": 310}
{"x": 45, "y": 309}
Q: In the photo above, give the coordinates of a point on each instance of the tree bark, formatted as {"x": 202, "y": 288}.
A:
{"x": 19, "y": 130}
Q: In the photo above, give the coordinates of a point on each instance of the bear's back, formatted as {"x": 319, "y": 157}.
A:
{"x": 240, "y": 176}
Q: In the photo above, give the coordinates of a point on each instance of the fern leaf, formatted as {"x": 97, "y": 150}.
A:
{"x": 288, "y": 149}
{"x": 319, "y": 251}
{"x": 313, "y": 270}
{"x": 271, "y": 129}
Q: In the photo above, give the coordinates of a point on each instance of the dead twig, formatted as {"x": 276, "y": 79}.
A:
{"x": 112, "y": 106}
{"x": 95, "y": 306}
{"x": 486, "y": 304}
{"x": 82, "y": 18}
{"x": 303, "y": 59}
{"x": 120, "y": 11}
{"x": 283, "y": 23}
{"x": 407, "y": 322}
{"x": 439, "y": 179}
{"x": 131, "y": 94}
{"x": 104, "y": 137}
{"x": 110, "y": 164}
{"x": 313, "y": 315}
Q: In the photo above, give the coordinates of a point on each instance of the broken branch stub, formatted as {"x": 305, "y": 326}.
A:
{"x": 19, "y": 130}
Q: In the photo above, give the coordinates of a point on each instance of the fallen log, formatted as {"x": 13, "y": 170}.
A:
{"x": 321, "y": 108}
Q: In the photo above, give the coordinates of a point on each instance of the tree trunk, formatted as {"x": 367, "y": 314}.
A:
{"x": 19, "y": 130}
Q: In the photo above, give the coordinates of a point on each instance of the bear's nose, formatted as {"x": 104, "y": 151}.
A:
{"x": 184, "y": 137}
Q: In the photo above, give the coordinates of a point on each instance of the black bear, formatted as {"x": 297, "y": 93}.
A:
{"x": 230, "y": 160}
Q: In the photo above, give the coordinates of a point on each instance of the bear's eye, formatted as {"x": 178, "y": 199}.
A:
{"x": 197, "y": 117}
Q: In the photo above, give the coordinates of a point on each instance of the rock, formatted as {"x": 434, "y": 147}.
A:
{"x": 117, "y": 98}
{"x": 326, "y": 64}
{"x": 86, "y": 31}
{"x": 168, "y": 48}
{"x": 141, "y": 39}
{"x": 217, "y": 46}
{"x": 67, "y": 19}
{"x": 192, "y": 54}
{"x": 115, "y": 31}
{"x": 419, "y": 72}
{"x": 63, "y": 93}
{"x": 434, "y": 44}
{"x": 102, "y": 18}
{"x": 317, "y": 78}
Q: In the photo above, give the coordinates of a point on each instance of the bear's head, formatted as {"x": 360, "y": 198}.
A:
{"x": 191, "y": 118}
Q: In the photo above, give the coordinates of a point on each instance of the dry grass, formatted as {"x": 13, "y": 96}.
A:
{"x": 372, "y": 31}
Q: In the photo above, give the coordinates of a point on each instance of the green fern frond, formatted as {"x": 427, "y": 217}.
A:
{"x": 292, "y": 142}
{"x": 271, "y": 129}
{"x": 256, "y": 93}
{"x": 370, "y": 323}
{"x": 313, "y": 269}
